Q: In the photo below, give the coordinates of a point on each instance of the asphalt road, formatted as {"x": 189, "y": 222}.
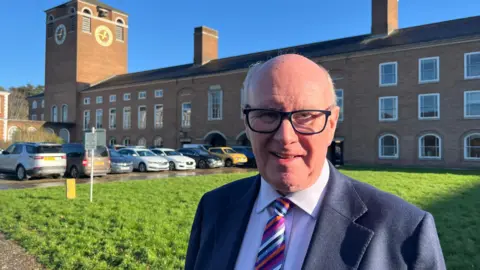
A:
{"x": 8, "y": 182}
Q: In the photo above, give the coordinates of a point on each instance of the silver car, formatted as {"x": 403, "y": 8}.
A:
{"x": 144, "y": 159}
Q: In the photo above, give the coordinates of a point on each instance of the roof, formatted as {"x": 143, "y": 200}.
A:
{"x": 36, "y": 96}
{"x": 436, "y": 32}
{"x": 93, "y": 2}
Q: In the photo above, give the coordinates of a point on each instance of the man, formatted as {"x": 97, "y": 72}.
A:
{"x": 300, "y": 212}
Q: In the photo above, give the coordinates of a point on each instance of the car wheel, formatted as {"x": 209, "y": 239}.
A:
{"x": 74, "y": 172}
{"x": 56, "y": 176}
{"x": 171, "y": 166}
{"x": 142, "y": 167}
{"x": 21, "y": 173}
{"x": 202, "y": 164}
{"x": 228, "y": 163}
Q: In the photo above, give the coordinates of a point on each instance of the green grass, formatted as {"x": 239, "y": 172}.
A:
{"x": 146, "y": 224}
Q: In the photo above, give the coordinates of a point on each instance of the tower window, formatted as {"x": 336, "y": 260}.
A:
{"x": 49, "y": 30}
{"x": 73, "y": 23}
{"x": 119, "y": 30}
{"x": 86, "y": 24}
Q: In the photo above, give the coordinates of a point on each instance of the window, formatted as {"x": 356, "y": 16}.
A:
{"x": 86, "y": 101}
{"x": 34, "y": 117}
{"x": 42, "y": 116}
{"x": 142, "y": 142}
{"x": 54, "y": 114}
{"x": 339, "y": 93}
{"x": 429, "y": 147}
{"x": 126, "y": 141}
{"x": 472, "y": 146}
{"x": 142, "y": 117}
{"x": 49, "y": 30}
{"x": 158, "y": 141}
{"x": 112, "y": 141}
{"x": 86, "y": 120}
{"x": 99, "y": 100}
{"x": 43, "y": 103}
{"x": 126, "y": 96}
{"x": 99, "y": 118}
{"x": 11, "y": 135}
{"x": 158, "y": 116}
{"x": 472, "y": 104}
{"x": 127, "y": 118}
{"x": 186, "y": 114}
{"x": 113, "y": 98}
{"x": 388, "y": 146}
{"x": 429, "y": 106}
{"x": 159, "y": 93}
{"x": 142, "y": 95}
{"x": 64, "y": 113}
{"x": 215, "y": 102}
{"x": 86, "y": 21}
{"x": 73, "y": 23}
{"x": 388, "y": 108}
{"x": 388, "y": 74}
{"x": 429, "y": 70}
{"x": 112, "y": 118}
{"x": 34, "y": 104}
{"x": 472, "y": 65}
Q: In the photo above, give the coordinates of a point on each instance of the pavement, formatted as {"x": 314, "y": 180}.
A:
{"x": 13, "y": 257}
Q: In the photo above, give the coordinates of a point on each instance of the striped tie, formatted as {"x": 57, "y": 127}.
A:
{"x": 272, "y": 250}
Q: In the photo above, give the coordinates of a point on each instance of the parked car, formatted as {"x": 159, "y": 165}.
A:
{"x": 229, "y": 156}
{"x": 120, "y": 163}
{"x": 247, "y": 151}
{"x": 116, "y": 146}
{"x": 79, "y": 161}
{"x": 197, "y": 146}
{"x": 176, "y": 160}
{"x": 144, "y": 159}
{"x": 26, "y": 160}
{"x": 202, "y": 158}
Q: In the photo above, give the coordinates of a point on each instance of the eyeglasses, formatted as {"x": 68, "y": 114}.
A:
{"x": 306, "y": 122}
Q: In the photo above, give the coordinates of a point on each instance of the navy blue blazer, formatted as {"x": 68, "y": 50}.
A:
{"x": 359, "y": 227}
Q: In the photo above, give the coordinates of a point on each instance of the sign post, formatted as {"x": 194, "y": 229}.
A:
{"x": 91, "y": 144}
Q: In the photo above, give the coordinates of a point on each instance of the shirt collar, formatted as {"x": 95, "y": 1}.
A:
{"x": 306, "y": 199}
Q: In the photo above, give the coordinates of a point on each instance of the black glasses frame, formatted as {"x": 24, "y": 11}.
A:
{"x": 287, "y": 115}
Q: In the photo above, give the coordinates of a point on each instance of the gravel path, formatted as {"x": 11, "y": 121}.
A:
{"x": 14, "y": 257}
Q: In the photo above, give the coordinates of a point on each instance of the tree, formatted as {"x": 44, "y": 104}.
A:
{"x": 18, "y": 107}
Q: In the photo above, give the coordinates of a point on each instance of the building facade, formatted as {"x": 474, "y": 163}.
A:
{"x": 408, "y": 97}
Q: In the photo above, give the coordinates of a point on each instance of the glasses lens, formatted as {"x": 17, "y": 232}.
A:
{"x": 303, "y": 121}
{"x": 309, "y": 121}
{"x": 264, "y": 120}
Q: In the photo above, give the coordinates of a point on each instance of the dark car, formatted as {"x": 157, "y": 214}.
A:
{"x": 120, "y": 163}
{"x": 247, "y": 151}
{"x": 202, "y": 158}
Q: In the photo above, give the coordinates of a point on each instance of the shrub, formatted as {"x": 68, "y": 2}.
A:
{"x": 40, "y": 135}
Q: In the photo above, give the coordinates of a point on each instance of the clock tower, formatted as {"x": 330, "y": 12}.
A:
{"x": 86, "y": 43}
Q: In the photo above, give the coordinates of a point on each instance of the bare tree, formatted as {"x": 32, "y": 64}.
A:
{"x": 18, "y": 107}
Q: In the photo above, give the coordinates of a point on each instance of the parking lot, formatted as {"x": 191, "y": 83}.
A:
{"x": 9, "y": 182}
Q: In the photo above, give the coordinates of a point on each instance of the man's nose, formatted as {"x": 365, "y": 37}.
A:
{"x": 285, "y": 133}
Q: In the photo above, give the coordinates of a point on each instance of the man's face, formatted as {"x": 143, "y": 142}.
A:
{"x": 289, "y": 83}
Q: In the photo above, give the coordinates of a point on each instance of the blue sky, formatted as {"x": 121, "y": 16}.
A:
{"x": 161, "y": 31}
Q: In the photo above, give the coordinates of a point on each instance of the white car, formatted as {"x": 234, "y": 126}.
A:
{"x": 144, "y": 159}
{"x": 176, "y": 160}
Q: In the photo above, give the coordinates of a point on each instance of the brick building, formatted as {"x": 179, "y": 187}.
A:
{"x": 399, "y": 105}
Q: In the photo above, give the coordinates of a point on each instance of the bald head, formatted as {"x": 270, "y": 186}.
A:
{"x": 289, "y": 74}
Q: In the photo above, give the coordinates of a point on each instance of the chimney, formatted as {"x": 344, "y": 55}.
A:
{"x": 205, "y": 45}
{"x": 384, "y": 16}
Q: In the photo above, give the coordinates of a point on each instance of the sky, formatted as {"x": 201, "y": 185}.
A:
{"x": 161, "y": 31}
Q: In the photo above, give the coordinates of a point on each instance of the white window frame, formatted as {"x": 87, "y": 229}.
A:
{"x": 340, "y": 116}
{"x": 99, "y": 100}
{"x": 64, "y": 113}
{"x": 465, "y": 66}
{"x": 42, "y": 117}
{"x": 465, "y": 94}
{"x": 112, "y": 140}
{"x": 420, "y": 69}
{"x": 127, "y": 127}
{"x": 34, "y": 117}
{"x": 214, "y": 88}
{"x": 86, "y": 101}
{"x": 54, "y": 112}
{"x": 421, "y": 146}
{"x": 34, "y": 104}
{"x": 127, "y": 96}
{"x": 138, "y": 117}
{"x": 125, "y": 139}
{"x": 112, "y": 125}
{"x": 85, "y": 126}
{"x": 155, "y": 116}
{"x": 113, "y": 98}
{"x": 140, "y": 139}
{"x": 380, "y": 109}
{"x": 420, "y": 106}
{"x": 142, "y": 95}
{"x": 380, "y": 74}
{"x": 96, "y": 118}
{"x": 43, "y": 103}
{"x": 182, "y": 118}
{"x": 465, "y": 147}
{"x": 397, "y": 154}
{"x": 157, "y": 95}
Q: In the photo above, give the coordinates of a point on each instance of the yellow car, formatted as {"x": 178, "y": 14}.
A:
{"x": 230, "y": 157}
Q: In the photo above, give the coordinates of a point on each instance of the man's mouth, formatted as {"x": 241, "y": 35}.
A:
{"x": 284, "y": 155}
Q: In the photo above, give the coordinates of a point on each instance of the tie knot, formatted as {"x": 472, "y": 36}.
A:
{"x": 281, "y": 206}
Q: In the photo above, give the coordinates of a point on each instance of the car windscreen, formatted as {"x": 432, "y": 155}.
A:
{"x": 48, "y": 149}
{"x": 115, "y": 154}
{"x": 145, "y": 153}
{"x": 201, "y": 152}
{"x": 229, "y": 151}
{"x": 172, "y": 153}
{"x": 100, "y": 152}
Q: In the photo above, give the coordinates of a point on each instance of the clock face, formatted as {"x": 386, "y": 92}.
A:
{"x": 104, "y": 36}
{"x": 60, "y": 34}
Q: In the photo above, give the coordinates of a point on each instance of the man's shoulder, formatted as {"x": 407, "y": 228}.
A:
{"x": 230, "y": 192}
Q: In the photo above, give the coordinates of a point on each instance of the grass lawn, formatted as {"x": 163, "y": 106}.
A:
{"x": 136, "y": 224}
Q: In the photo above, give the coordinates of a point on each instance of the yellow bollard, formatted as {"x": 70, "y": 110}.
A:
{"x": 70, "y": 183}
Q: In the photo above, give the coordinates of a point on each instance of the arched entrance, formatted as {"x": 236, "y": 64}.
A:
{"x": 215, "y": 138}
{"x": 243, "y": 140}
{"x": 65, "y": 135}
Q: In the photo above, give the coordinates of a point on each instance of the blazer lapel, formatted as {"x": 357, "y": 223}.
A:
{"x": 338, "y": 242}
{"x": 231, "y": 225}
